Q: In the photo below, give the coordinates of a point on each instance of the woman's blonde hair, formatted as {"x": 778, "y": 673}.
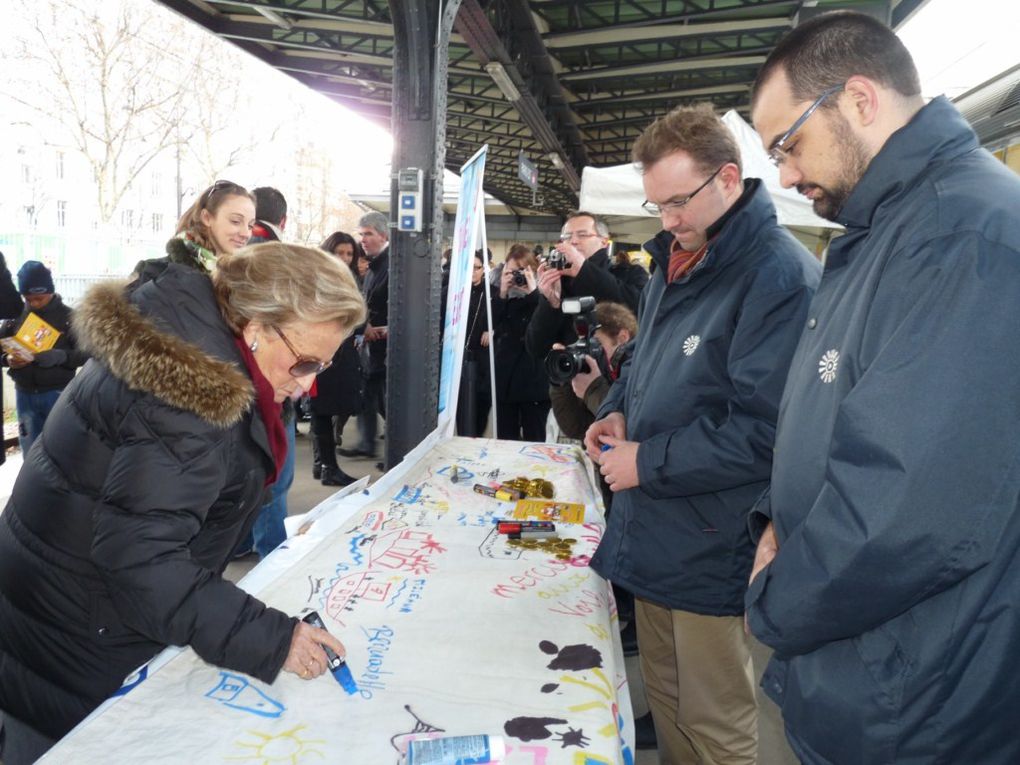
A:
{"x": 278, "y": 284}
{"x": 210, "y": 199}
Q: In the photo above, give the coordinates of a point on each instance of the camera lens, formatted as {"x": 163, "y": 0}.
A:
{"x": 561, "y": 366}
{"x": 519, "y": 279}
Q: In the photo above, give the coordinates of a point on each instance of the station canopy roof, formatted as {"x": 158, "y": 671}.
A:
{"x": 570, "y": 83}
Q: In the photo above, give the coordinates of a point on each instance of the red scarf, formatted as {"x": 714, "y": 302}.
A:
{"x": 681, "y": 261}
{"x": 271, "y": 412}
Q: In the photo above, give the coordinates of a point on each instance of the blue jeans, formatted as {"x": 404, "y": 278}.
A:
{"x": 268, "y": 532}
{"x": 33, "y": 409}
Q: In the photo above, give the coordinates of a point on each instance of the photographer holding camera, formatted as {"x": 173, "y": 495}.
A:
{"x": 577, "y": 397}
{"x": 579, "y": 266}
{"x": 522, "y": 388}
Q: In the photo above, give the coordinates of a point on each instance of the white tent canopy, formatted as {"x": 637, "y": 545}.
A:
{"x": 616, "y": 192}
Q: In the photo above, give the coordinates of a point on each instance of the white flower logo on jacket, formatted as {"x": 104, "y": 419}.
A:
{"x": 828, "y": 365}
{"x": 691, "y": 344}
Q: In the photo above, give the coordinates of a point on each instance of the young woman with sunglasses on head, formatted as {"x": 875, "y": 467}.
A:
{"x": 219, "y": 222}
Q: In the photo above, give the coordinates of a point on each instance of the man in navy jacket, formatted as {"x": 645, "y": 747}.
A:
{"x": 685, "y": 439}
{"x": 888, "y": 578}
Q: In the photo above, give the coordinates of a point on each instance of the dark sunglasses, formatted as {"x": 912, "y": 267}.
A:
{"x": 305, "y": 365}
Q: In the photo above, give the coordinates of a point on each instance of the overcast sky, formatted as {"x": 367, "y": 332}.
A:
{"x": 958, "y": 45}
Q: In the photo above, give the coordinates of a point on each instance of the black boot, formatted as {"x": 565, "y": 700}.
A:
{"x": 644, "y": 732}
{"x": 316, "y": 459}
{"x": 628, "y": 636}
{"x": 332, "y": 476}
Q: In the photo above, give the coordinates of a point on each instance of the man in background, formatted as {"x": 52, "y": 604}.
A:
{"x": 270, "y": 215}
{"x": 588, "y": 272}
{"x": 374, "y": 232}
{"x": 268, "y": 531}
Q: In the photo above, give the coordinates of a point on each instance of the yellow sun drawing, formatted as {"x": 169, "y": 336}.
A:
{"x": 286, "y": 747}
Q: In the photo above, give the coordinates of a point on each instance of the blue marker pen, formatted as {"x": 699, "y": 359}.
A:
{"x": 337, "y": 666}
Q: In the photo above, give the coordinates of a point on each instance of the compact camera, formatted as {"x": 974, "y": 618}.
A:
{"x": 518, "y": 277}
{"x": 556, "y": 259}
{"x": 562, "y": 366}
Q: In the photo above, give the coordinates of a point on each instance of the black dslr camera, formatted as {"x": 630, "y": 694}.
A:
{"x": 562, "y": 366}
{"x": 518, "y": 277}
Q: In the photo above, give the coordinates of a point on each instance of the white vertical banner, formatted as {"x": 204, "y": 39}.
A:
{"x": 467, "y": 228}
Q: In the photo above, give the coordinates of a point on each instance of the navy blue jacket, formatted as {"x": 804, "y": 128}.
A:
{"x": 701, "y": 395}
{"x": 893, "y": 604}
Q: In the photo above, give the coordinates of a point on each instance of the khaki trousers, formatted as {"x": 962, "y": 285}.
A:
{"x": 699, "y": 681}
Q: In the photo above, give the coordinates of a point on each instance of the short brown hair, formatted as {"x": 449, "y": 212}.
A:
{"x": 614, "y": 318}
{"x": 831, "y": 48}
{"x": 523, "y": 252}
{"x": 601, "y": 227}
{"x": 277, "y": 284}
{"x": 210, "y": 199}
{"x": 695, "y": 130}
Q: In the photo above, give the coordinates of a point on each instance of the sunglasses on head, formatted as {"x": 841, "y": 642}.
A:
{"x": 305, "y": 365}
{"x": 225, "y": 185}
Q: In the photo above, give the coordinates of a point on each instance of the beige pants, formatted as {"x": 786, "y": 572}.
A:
{"x": 699, "y": 681}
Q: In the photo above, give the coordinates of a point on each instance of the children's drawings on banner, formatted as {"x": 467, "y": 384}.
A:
{"x": 236, "y": 692}
{"x": 434, "y": 607}
{"x": 561, "y": 454}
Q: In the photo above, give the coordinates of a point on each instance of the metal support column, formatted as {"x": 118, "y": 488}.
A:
{"x": 421, "y": 39}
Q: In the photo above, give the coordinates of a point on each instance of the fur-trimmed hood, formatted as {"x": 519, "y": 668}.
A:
{"x": 151, "y": 360}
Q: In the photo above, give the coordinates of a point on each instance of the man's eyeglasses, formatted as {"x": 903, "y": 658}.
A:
{"x": 777, "y": 153}
{"x": 676, "y": 204}
{"x": 582, "y": 235}
{"x": 305, "y": 365}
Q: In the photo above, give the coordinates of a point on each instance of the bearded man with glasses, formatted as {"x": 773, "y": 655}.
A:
{"x": 888, "y": 570}
{"x": 685, "y": 436}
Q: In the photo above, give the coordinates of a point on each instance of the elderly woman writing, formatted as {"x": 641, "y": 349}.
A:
{"x": 152, "y": 467}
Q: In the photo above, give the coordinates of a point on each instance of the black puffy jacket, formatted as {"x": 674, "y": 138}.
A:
{"x": 151, "y": 468}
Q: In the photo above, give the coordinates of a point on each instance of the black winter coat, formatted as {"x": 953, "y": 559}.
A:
{"x": 35, "y": 378}
{"x": 148, "y": 472}
{"x": 520, "y": 378}
{"x": 598, "y": 278}
{"x": 338, "y": 389}
{"x": 701, "y": 396}
{"x": 376, "y": 290}
{"x": 11, "y": 303}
